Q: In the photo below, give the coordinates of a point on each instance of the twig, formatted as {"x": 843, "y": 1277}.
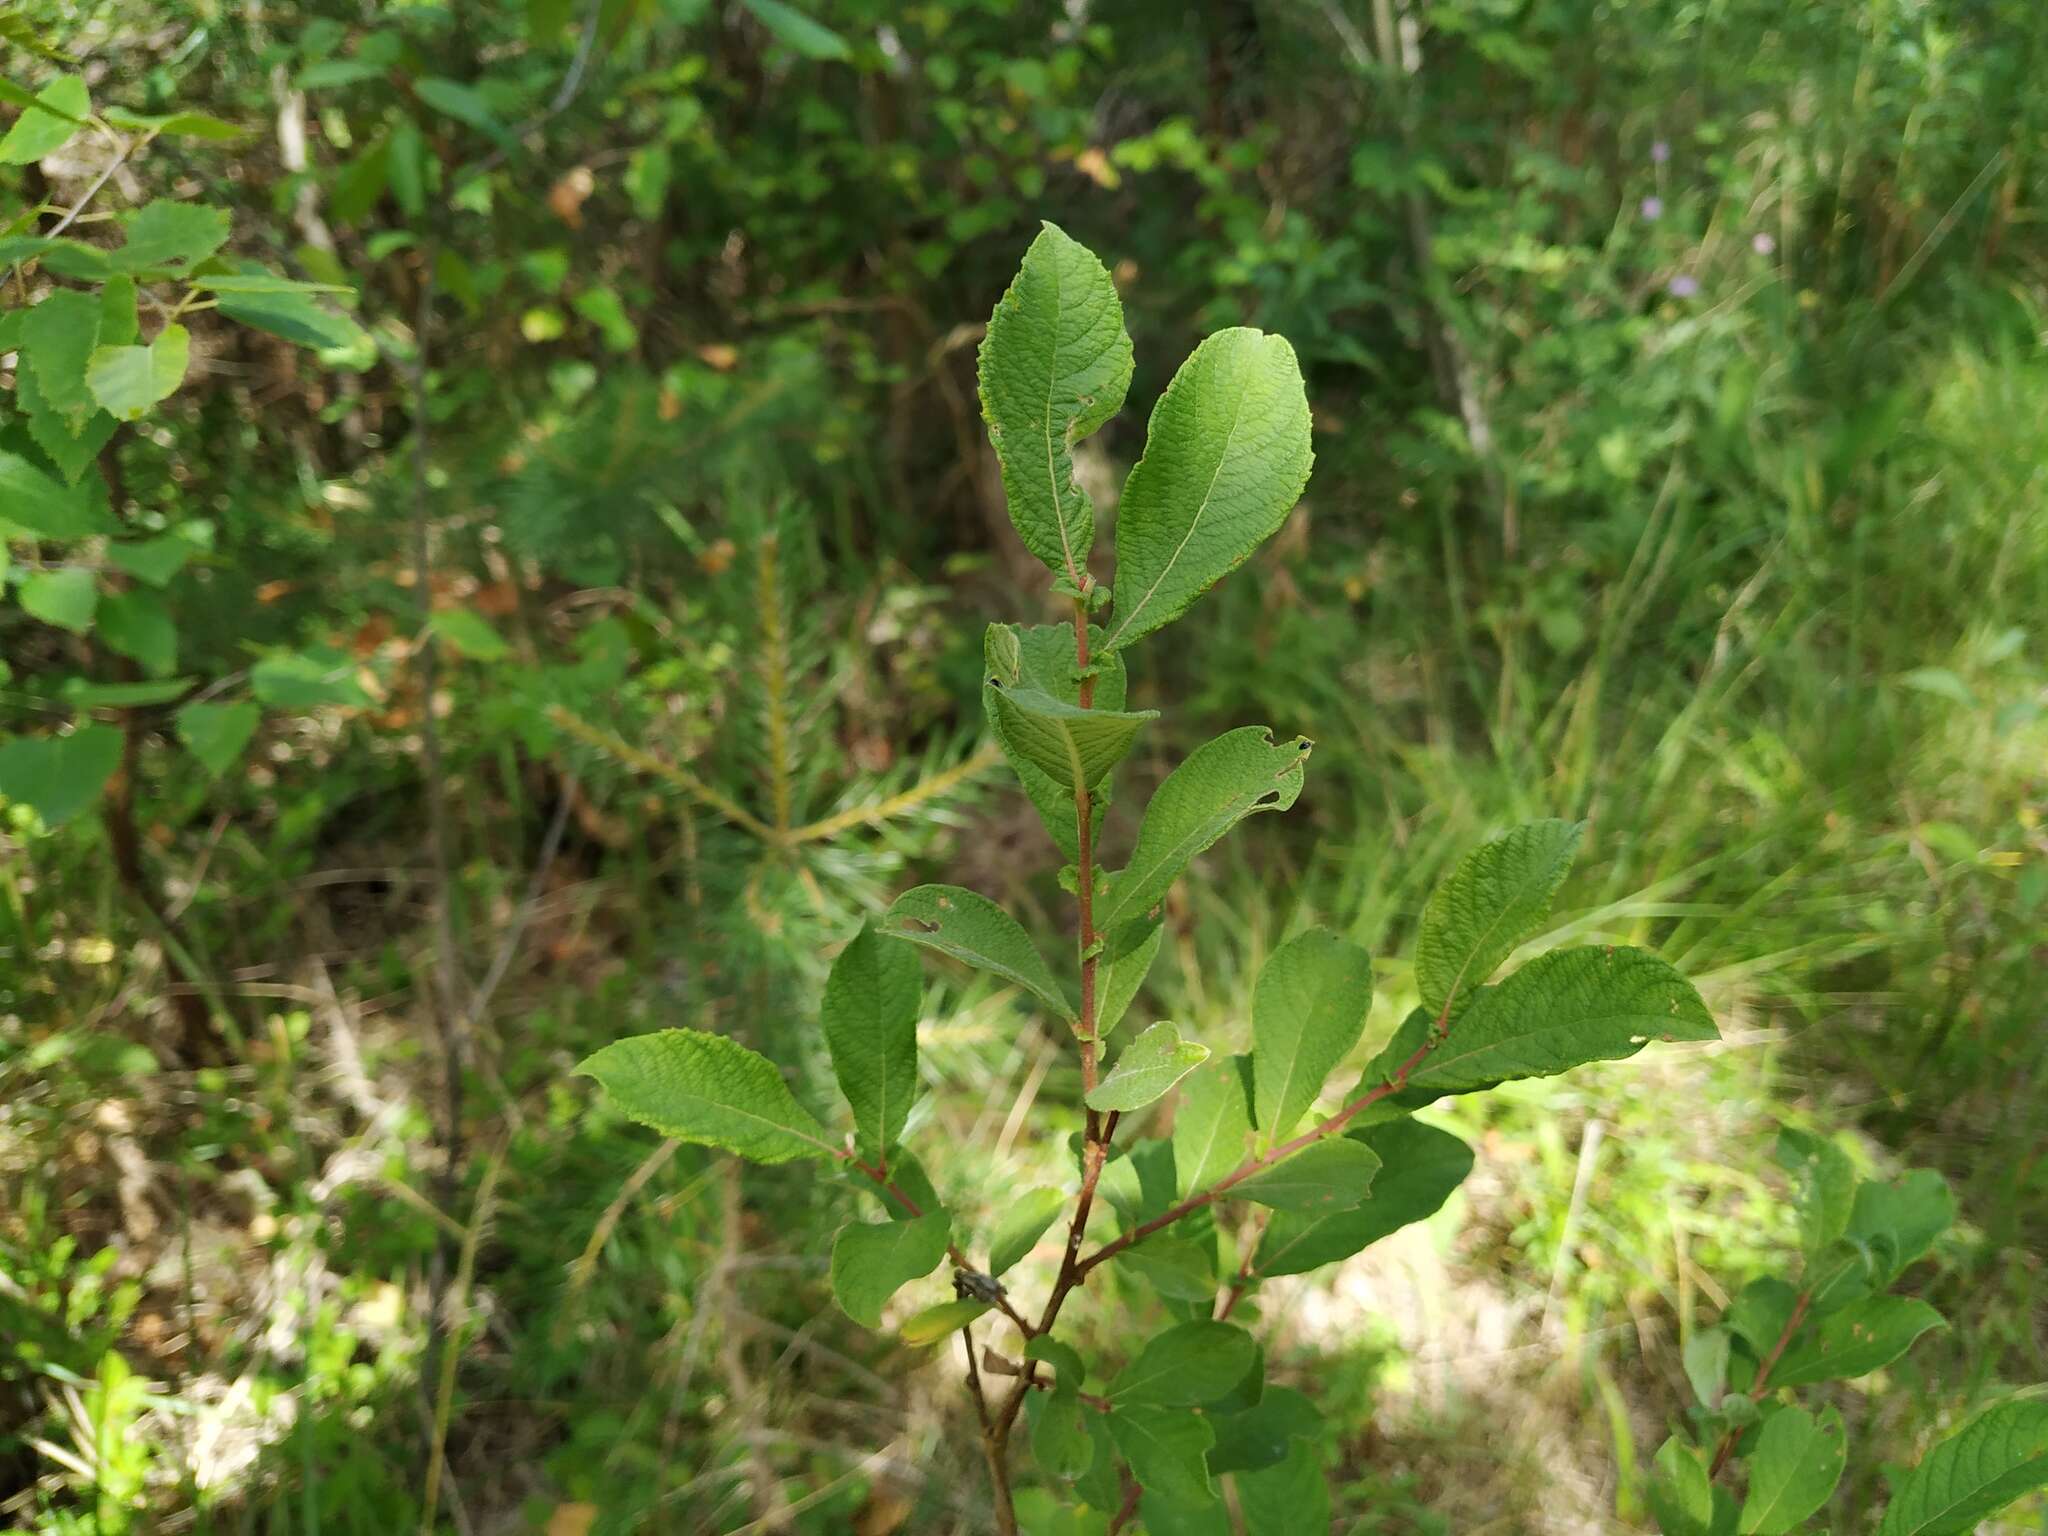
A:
{"x": 1763, "y": 1379}
{"x": 444, "y": 1389}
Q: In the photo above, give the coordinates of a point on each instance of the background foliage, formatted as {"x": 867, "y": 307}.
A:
{"x": 1677, "y": 385}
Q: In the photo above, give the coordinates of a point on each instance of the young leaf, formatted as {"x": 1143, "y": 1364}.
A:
{"x": 1419, "y": 1168}
{"x": 1680, "y": 1496}
{"x": 1307, "y": 1010}
{"x": 1054, "y": 366}
{"x": 1226, "y": 456}
{"x": 1042, "y": 658}
{"x": 1166, "y": 1448}
{"x": 1212, "y": 1127}
{"x": 1185, "y": 1367}
{"x": 936, "y": 1323}
{"x": 1223, "y": 781}
{"x": 871, "y": 1261}
{"x": 1333, "y": 1174}
{"x": 870, "y": 1013}
{"x": 972, "y": 928}
{"x": 1288, "y": 1498}
{"x": 1996, "y": 1457}
{"x": 1827, "y": 1191}
{"x": 1074, "y": 747}
{"x": 1855, "y": 1341}
{"x": 1900, "y": 1220}
{"x": 1022, "y": 1225}
{"x": 127, "y": 381}
{"x": 1127, "y": 955}
{"x": 1149, "y": 1065}
{"x": 59, "y": 775}
{"x": 59, "y": 112}
{"x": 704, "y": 1088}
{"x": 217, "y": 733}
{"x": 1560, "y": 1011}
{"x": 1493, "y": 900}
{"x": 1795, "y": 1466}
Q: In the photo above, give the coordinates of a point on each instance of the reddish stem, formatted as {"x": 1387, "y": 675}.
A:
{"x": 1763, "y": 1380}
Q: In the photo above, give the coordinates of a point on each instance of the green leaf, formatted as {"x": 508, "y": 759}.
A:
{"x": 1996, "y": 1457}
{"x": 1024, "y": 1222}
{"x": 1226, "y": 456}
{"x": 1420, "y": 1166}
{"x": 1827, "y": 1188}
{"x": 295, "y": 317}
{"x": 407, "y": 165}
{"x": 153, "y": 561}
{"x": 1185, "y": 1367}
{"x": 1496, "y": 897}
{"x": 1795, "y": 1466}
{"x": 1333, "y": 1174}
{"x": 1559, "y": 1011}
{"x": 65, "y": 598}
{"x": 941, "y": 1321}
{"x": 60, "y": 111}
{"x": 82, "y": 694}
{"x": 40, "y": 508}
{"x": 216, "y": 734}
{"x": 1238, "y": 774}
{"x": 70, "y": 443}
{"x": 1041, "y": 657}
{"x": 1262, "y": 1435}
{"x": 470, "y": 633}
{"x": 138, "y": 625}
{"x": 974, "y": 929}
{"x": 451, "y": 98}
{"x": 1059, "y": 1430}
{"x": 1127, "y": 955}
{"x": 1679, "y": 1493}
{"x": 1168, "y": 1517}
{"x": 703, "y": 1088}
{"x": 1706, "y": 1364}
{"x": 1308, "y": 1009}
{"x": 127, "y": 381}
{"x": 170, "y": 234}
{"x": 870, "y": 1009}
{"x": 59, "y": 775}
{"x": 1149, "y": 1065}
{"x": 1212, "y": 1126}
{"x": 1166, "y": 1448}
{"x": 605, "y": 310}
{"x": 1855, "y": 1341}
{"x": 58, "y": 337}
{"x": 1054, "y": 366}
{"x": 1900, "y": 1220}
{"x": 1177, "y": 1268}
{"x": 872, "y": 1261}
{"x": 1074, "y": 747}
{"x": 329, "y": 73}
{"x": 260, "y": 282}
{"x": 1288, "y": 1498}
{"x": 797, "y": 32}
{"x": 301, "y": 680}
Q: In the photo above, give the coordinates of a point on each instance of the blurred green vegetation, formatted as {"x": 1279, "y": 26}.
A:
{"x": 1679, "y": 391}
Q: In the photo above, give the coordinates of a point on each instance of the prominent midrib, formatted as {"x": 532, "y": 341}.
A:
{"x": 761, "y": 1119}
{"x": 1236, "y": 420}
{"x": 1173, "y": 850}
{"x": 1052, "y": 464}
{"x": 1438, "y": 1058}
{"x": 1485, "y": 934}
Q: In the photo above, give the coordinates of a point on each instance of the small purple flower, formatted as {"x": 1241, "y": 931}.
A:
{"x": 1660, "y": 151}
{"x": 1683, "y": 286}
{"x": 1762, "y": 243}
{"x": 1653, "y": 208}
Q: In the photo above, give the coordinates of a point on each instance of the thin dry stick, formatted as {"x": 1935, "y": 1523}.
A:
{"x": 444, "y": 1387}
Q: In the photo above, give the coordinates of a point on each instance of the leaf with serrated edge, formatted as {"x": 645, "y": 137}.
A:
{"x": 1053, "y": 368}
{"x": 1238, "y": 774}
{"x": 1023, "y": 1223}
{"x": 1333, "y": 1174}
{"x": 971, "y": 928}
{"x": 1212, "y": 1126}
{"x": 1560, "y": 1011}
{"x": 1420, "y": 1167}
{"x": 1226, "y": 456}
{"x": 706, "y": 1089}
{"x": 870, "y": 1012}
{"x": 1308, "y": 1009}
{"x": 872, "y": 1261}
{"x": 1992, "y": 1460}
{"x": 57, "y": 339}
{"x": 1074, "y": 747}
{"x": 1491, "y": 902}
{"x": 1149, "y": 1065}
{"x": 1795, "y": 1466}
